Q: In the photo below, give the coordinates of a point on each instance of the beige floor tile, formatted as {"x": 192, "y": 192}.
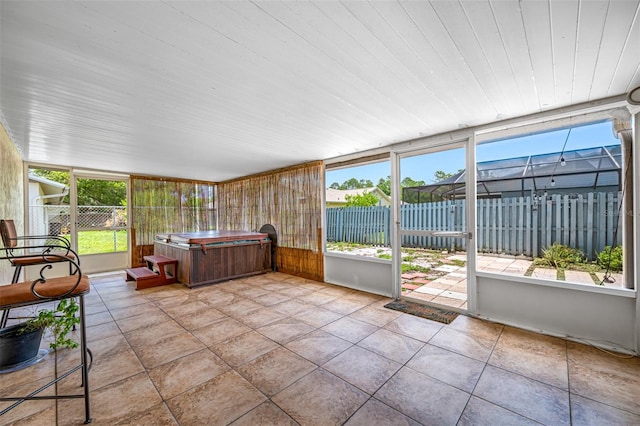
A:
{"x": 217, "y": 297}
{"x": 239, "y": 307}
{"x": 375, "y": 413}
{"x": 125, "y": 302}
{"x": 184, "y": 309}
{"x": 275, "y": 370}
{"x": 285, "y": 330}
{"x": 475, "y": 347}
{"x": 422, "y": 398}
{"x": 318, "y": 316}
{"x": 182, "y": 374}
{"x": 200, "y": 319}
{"x": 124, "y": 399}
{"x": 317, "y": 298}
{"x": 608, "y": 378}
{"x": 415, "y": 327}
{"x": 375, "y": 315}
{"x": 266, "y": 413}
{"x": 477, "y": 327}
{"x": 271, "y": 299}
{"x": 202, "y": 385}
{"x": 296, "y": 291}
{"x": 113, "y": 360}
{"x": 168, "y": 349}
{"x": 320, "y": 398}
{"x": 481, "y": 412}
{"x": 150, "y": 335}
{"x": 243, "y": 348}
{"x": 449, "y": 367}
{"x": 291, "y": 307}
{"x": 345, "y": 306}
{"x": 219, "y": 401}
{"x": 260, "y": 317}
{"x": 318, "y": 346}
{"x": 219, "y": 331}
{"x": 156, "y": 416}
{"x": 136, "y": 310}
{"x": 142, "y": 321}
{"x": 533, "y": 355}
{"x": 362, "y": 368}
{"x": 28, "y": 408}
{"x": 99, "y": 318}
{"x": 588, "y": 412}
{"x": 392, "y": 345}
{"x": 529, "y": 398}
{"x": 101, "y": 331}
{"x": 350, "y": 329}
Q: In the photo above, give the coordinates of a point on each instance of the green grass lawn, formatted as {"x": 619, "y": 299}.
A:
{"x": 94, "y": 242}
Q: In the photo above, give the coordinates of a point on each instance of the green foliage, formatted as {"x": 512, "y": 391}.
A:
{"x": 91, "y": 192}
{"x": 352, "y": 183}
{"x": 385, "y": 185}
{"x": 440, "y": 175}
{"x": 410, "y": 267}
{"x": 366, "y": 199}
{"x": 611, "y": 259}
{"x": 559, "y": 256}
{"x": 60, "y": 321}
{"x": 96, "y": 192}
{"x": 384, "y": 256}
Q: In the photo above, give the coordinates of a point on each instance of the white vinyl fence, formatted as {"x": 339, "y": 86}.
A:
{"x": 516, "y": 226}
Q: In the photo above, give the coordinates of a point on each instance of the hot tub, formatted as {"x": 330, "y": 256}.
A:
{"x": 208, "y": 257}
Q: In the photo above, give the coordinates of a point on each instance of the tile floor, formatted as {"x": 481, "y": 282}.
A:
{"x": 277, "y": 349}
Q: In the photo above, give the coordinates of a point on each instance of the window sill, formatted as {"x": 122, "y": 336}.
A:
{"x": 622, "y": 292}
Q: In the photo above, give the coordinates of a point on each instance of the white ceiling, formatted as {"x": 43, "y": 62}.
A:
{"x": 215, "y": 90}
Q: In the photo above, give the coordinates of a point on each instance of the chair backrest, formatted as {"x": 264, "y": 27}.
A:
{"x": 8, "y": 233}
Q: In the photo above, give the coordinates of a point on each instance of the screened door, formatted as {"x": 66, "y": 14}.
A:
{"x": 433, "y": 219}
{"x": 99, "y": 221}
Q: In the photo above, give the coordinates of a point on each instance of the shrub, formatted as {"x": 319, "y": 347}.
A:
{"x": 611, "y": 259}
{"x": 559, "y": 256}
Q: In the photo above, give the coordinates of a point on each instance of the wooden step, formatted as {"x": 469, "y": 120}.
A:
{"x": 142, "y": 273}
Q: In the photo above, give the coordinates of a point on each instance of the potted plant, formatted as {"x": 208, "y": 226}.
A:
{"x": 20, "y": 343}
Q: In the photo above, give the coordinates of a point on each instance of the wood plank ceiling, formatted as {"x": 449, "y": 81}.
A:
{"x": 216, "y": 90}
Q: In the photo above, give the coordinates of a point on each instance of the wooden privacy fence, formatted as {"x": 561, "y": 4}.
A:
{"x": 364, "y": 225}
{"x": 516, "y": 226}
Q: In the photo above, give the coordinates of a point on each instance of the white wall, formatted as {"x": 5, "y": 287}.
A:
{"x": 602, "y": 316}
{"x": 359, "y": 272}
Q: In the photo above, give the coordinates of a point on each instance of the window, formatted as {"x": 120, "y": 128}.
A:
{"x": 550, "y": 206}
{"x": 358, "y": 209}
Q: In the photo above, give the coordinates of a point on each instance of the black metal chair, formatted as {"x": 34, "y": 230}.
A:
{"x": 44, "y": 290}
{"x": 27, "y": 250}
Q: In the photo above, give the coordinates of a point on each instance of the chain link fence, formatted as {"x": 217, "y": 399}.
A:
{"x": 101, "y": 229}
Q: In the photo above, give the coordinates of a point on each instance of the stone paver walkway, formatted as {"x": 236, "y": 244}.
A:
{"x": 451, "y": 289}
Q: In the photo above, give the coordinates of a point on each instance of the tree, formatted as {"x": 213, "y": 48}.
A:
{"x": 385, "y": 185}
{"x": 366, "y": 199}
{"x": 352, "y": 183}
{"x": 439, "y": 175}
{"x": 91, "y": 192}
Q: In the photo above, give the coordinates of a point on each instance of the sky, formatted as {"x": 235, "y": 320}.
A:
{"x": 423, "y": 167}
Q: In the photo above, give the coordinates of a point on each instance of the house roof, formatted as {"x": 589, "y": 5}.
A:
{"x": 215, "y": 90}
{"x": 583, "y": 168}
{"x": 340, "y": 195}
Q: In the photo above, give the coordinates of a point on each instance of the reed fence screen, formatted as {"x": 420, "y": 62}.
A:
{"x": 515, "y": 226}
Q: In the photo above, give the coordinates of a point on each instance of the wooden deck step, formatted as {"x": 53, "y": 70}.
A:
{"x": 160, "y": 270}
{"x": 142, "y": 273}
